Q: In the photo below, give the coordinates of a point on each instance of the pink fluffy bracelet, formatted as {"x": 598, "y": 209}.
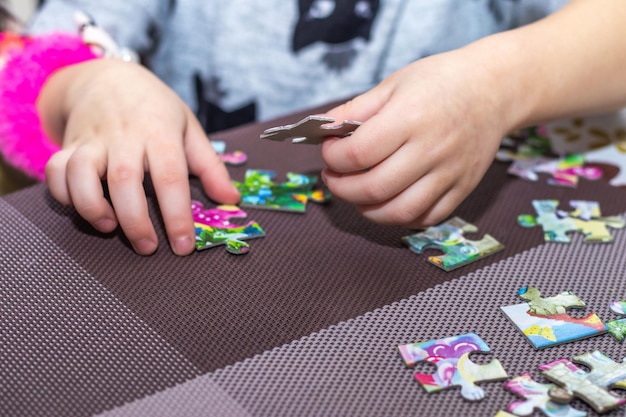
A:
{"x": 25, "y": 65}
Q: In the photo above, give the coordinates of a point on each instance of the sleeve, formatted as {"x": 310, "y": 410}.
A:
{"x": 25, "y": 65}
{"x": 133, "y": 24}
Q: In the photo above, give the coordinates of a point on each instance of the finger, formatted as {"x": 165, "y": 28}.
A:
{"x": 207, "y": 165}
{"x": 56, "y": 177}
{"x": 371, "y": 143}
{"x": 410, "y": 206}
{"x": 85, "y": 169}
{"x": 380, "y": 183}
{"x": 125, "y": 174}
{"x": 362, "y": 107}
{"x": 168, "y": 169}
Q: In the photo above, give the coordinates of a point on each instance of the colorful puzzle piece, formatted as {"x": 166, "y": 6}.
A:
{"x": 502, "y": 413}
{"x": 258, "y": 190}
{"x": 544, "y": 321}
{"x": 213, "y": 228}
{"x": 454, "y": 367}
{"x": 311, "y": 130}
{"x": 448, "y": 237}
{"x": 230, "y": 158}
{"x": 565, "y": 171}
{"x": 617, "y": 327}
{"x": 536, "y": 397}
{"x": 592, "y": 387}
{"x": 614, "y": 154}
{"x": 585, "y": 218}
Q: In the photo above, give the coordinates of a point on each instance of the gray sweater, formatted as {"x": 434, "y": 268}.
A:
{"x": 235, "y": 61}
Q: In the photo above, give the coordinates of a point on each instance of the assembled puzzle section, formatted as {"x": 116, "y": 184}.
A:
{"x": 311, "y": 130}
{"x": 213, "y": 228}
{"x": 545, "y": 322}
{"x": 592, "y": 387}
{"x": 585, "y": 218}
{"x": 451, "y": 355}
{"x": 449, "y": 238}
{"x": 259, "y": 190}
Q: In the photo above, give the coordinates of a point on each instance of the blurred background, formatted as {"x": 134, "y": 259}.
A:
{"x": 23, "y": 9}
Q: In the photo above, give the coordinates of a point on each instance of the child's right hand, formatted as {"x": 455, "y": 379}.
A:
{"x": 116, "y": 121}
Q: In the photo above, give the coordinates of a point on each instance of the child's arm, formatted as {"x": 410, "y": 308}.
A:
{"x": 431, "y": 130}
{"x": 116, "y": 121}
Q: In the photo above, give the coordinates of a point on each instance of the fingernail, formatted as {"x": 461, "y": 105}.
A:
{"x": 183, "y": 245}
{"x": 145, "y": 246}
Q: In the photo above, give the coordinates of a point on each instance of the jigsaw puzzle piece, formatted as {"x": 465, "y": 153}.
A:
{"x": 557, "y": 304}
{"x": 566, "y": 171}
{"x": 259, "y": 190}
{"x": 614, "y": 154}
{"x": 536, "y": 397}
{"x": 454, "y": 367}
{"x": 502, "y": 413}
{"x": 213, "y": 228}
{"x": 311, "y": 130}
{"x": 555, "y": 227}
{"x": 235, "y": 158}
{"x": 617, "y": 327}
{"x": 589, "y": 221}
{"x": 591, "y": 387}
{"x": 449, "y": 238}
{"x": 545, "y": 321}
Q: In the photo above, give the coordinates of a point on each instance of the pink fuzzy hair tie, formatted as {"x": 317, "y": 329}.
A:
{"x": 25, "y": 65}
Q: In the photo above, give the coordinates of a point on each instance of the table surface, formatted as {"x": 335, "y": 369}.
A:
{"x": 308, "y": 323}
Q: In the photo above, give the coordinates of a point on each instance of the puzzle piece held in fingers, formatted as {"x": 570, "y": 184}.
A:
{"x": 213, "y": 228}
{"x": 311, "y": 130}
{"x": 448, "y": 237}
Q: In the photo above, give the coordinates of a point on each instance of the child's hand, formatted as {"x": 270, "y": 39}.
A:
{"x": 429, "y": 133}
{"x": 116, "y": 121}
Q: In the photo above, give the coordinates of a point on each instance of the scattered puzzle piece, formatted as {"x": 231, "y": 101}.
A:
{"x": 235, "y": 158}
{"x": 557, "y": 304}
{"x": 536, "y": 397}
{"x": 311, "y": 130}
{"x": 448, "y": 237}
{"x": 213, "y": 228}
{"x": 565, "y": 171}
{"x": 617, "y": 327}
{"x": 454, "y": 368}
{"x": 592, "y": 387}
{"x": 614, "y": 154}
{"x": 544, "y": 321}
{"x": 585, "y": 218}
{"x": 258, "y": 190}
{"x": 501, "y": 413}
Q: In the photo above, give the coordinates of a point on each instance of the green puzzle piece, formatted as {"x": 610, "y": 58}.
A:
{"x": 259, "y": 190}
{"x": 448, "y": 237}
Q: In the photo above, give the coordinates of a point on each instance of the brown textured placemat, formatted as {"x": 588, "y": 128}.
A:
{"x": 311, "y": 271}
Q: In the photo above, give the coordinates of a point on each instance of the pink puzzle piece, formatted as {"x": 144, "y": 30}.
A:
{"x": 535, "y": 397}
{"x": 454, "y": 368}
{"x": 591, "y": 387}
